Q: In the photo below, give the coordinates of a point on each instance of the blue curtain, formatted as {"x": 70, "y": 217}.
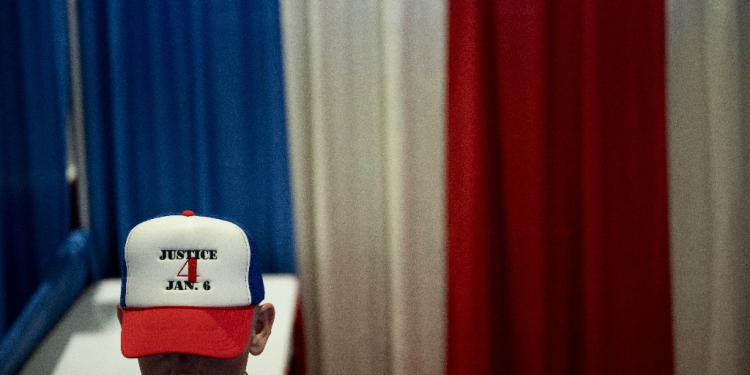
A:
{"x": 47, "y": 305}
{"x": 184, "y": 109}
{"x": 34, "y": 96}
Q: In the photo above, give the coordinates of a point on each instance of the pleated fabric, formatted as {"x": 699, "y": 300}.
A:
{"x": 34, "y": 97}
{"x": 184, "y": 106}
{"x": 558, "y": 257}
{"x": 365, "y": 89}
{"x": 709, "y": 143}
{"x": 574, "y": 201}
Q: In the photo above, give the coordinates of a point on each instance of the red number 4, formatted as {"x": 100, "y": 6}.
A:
{"x": 192, "y": 272}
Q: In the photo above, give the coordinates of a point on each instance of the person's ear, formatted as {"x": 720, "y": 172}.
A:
{"x": 265, "y": 313}
{"x": 119, "y": 313}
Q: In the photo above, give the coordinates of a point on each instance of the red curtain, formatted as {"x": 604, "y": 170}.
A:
{"x": 558, "y": 258}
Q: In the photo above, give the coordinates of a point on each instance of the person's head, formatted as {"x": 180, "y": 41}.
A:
{"x": 191, "y": 293}
{"x": 180, "y": 363}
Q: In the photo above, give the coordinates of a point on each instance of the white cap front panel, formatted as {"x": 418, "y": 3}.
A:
{"x": 161, "y": 273}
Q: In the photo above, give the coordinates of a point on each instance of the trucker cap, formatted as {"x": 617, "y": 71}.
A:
{"x": 189, "y": 285}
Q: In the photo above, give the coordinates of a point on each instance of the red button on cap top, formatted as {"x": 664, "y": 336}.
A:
{"x": 188, "y": 213}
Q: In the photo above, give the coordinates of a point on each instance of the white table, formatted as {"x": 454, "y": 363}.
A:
{"x": 87, "y": 340}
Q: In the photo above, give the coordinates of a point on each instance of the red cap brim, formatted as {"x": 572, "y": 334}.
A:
{"x": 205, "y": 331}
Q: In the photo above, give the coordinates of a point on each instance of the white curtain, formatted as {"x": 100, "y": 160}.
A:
{"x": 365, "y": 87}
{"x": 709, "y": 141}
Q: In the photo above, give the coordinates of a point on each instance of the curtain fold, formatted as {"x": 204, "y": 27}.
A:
{"x": 34, "y": 98}
{"x": 709, "y": 114}
{"x": 558, "y": 253}
{"x": 365, "y": 103}
{"x": 184, "y": 106}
